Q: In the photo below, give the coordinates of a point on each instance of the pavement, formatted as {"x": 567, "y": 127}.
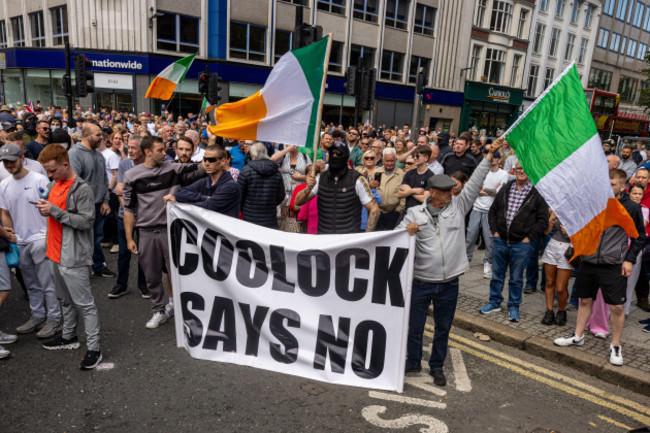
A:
{"x": 531, "y": 336}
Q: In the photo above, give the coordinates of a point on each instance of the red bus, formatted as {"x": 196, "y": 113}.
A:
{"x": 609, "y": 120}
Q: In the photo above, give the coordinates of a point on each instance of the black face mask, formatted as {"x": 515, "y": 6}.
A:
{"x": 338, "y": 163}
{"x": 30, "y": 127}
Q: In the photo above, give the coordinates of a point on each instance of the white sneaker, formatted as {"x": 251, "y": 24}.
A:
{"x": 570, "y": 340}
{"x": 615, "y": 355}
{"x": 487, "y": 270}
{"x": 7, "y": 338}
{"x": 602, "y": 335}
{"x": 157, "y": 319}
{"x": 4, "y": 352}
{"x": 169, "y": 311}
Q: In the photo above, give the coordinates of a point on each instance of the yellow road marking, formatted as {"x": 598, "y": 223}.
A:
{"x": 616, "y": 423}
{"x": 578, "y": 384}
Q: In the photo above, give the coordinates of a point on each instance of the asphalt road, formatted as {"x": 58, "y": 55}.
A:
{"x": 147, "y": 384}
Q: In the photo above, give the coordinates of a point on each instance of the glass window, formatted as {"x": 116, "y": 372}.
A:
{"x": 3, "y": 34}
{"x": 59, "y": 25}
{"x": 366, "y": 10}
{"x": 638, "y": 14}
{"x": 283, "y": 43}
{"x": 38, "y": 30}
{"x": 555, "y": 41}
{"x": 589, "y": 15}
{"x": 621, "y": 8}
{"x": 548, "y": 78}
{"x": 494, "y": 64}
{"x": 627, "y": 88}
{"x": 643, "y": 49}
{"x": 14, "y": 85}
{"x": 501, "y": 16}
{"x": 367, "y": 54}
{"x": 559, "y": 8}
{"x": 523, "y": 14}
{"x": 479, "y": 13}
{"x": 570, "y": 43}
{"x": 336, "y": 57}
{"x": 397, "y": 12}
{"x": 543, "y": 5}
{"x": 629, "y": 14}
{"x": 18, "y": 31}
{"x": 599, "y": 79}
{"x": 631, "y": 48}
{"x": 615, "y": 42}
{"x": 646, "y": 20}
{"x": 539, "y": 37}
{"x": 333, "y": 6}
{"x": 575, "y": 12}
{"x": 531, "y": 90}
{"x": 623, "y": 45}
{"x": 177, "y": 32}
{"x": 38, "y": 86}
{"x": 247, "y": 41}
{"x": 424, "y": 19}
{"x": 58, "y": 96}
{"x": 583, "y": 50}
{"x": 516, "y": 62}
{"x": 603, "y": 37}
{"x": 608, "y": 9}
{"x": 416, "y": 64}
{"x": 476, "y": 57}
{"x": 392, "y": 65}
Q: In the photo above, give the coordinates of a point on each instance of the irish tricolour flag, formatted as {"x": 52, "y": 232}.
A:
{"x": 163, "y": 86}
{"x": 558, "y": 146}
{"x": 287, "y": 109}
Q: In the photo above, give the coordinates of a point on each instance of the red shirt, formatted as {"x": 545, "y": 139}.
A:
{"x": 58, "y": 197}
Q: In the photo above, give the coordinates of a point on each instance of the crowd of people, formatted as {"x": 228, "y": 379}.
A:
{"x": 75, "y": 188}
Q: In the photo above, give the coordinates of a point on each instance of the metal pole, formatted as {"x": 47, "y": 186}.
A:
{"x": 2, "y": 86}
{"x": 69, "y": 87}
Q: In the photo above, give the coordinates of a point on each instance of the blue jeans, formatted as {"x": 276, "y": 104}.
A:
{"x": 514, "y": 256}
{"x": 124, "y": 260}
{"x": 532, "y": 268}
{"x": 99, "y": 261}
{"x": 444, "y": 297}
{"x": 478, "y": 221}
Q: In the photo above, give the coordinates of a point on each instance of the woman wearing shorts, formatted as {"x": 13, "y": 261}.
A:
{"x": 558, "y": 271}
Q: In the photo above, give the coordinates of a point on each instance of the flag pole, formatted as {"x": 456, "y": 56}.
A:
{"x": 320, "y": 105}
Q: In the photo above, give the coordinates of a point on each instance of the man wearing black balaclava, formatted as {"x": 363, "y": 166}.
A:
{"x": 341, "y": 193}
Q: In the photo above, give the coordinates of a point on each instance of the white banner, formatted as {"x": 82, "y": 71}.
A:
{"x": 330, "y": 307}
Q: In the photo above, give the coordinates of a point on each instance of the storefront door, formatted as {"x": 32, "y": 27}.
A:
{"x": 114, "y": 101}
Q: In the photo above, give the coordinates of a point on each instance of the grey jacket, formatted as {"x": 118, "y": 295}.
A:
{"x": 440, "y": 253}
{"x": 77, "y": 221}
{"x": 90, "y": 165}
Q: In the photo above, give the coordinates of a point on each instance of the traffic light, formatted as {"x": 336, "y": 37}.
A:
{"x": 83, "y": 77}
{"x": 350, "y": 80}
{"x": 213, "y": 89}
{"x": 204, "y": 78}
{"x": 304, "y": 35}
{"x": 420, "y": 82}
{"x": 66, "y": 85}
{"x": 367, "y": 89}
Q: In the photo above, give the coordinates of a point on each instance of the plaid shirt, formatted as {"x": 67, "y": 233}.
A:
{"x": 516, "y": 199}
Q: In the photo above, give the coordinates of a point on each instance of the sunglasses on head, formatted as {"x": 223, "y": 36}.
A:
{"x": 210, "y": 159}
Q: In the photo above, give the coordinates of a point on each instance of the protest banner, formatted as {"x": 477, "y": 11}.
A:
{"x": 332, "y": 308}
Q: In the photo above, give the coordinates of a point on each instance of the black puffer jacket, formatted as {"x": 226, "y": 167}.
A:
{"x": 530, "y": 221}
{"x": 262, "y": 190}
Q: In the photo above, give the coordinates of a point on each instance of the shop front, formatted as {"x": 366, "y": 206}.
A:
{"x": 490, "y": 108}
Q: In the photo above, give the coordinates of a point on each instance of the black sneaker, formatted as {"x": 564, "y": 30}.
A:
{"x": 413, "y": 368}
{"x": 439, "y": 378}
{"x": 90, "y": 361}
{"x": 116, "y": 292}
{"x": 58, "y": 343}
{"x": 105, "y": 273}
{"x": 560, "y": 318}
{"x": 144, "y": 292}
{"x": 549, "y": 318}
{"x": 529, "y": 290}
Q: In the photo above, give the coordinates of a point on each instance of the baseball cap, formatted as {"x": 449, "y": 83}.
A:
{"x": 10, "y": 152}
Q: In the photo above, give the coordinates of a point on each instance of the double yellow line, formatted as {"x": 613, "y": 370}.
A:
{"x": 553, "y": 379}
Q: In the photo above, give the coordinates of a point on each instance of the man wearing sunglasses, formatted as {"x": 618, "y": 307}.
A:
{"x": 42, "y": 139}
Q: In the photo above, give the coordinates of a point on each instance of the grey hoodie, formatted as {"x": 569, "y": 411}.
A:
{"x": 91, "y": 166}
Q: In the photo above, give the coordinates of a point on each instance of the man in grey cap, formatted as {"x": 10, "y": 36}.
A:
{"x": 440, "y": 258}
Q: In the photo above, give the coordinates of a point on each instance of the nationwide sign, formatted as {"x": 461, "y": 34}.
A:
{"x": 107, "y": 63}
{"x": 332, "y": 308}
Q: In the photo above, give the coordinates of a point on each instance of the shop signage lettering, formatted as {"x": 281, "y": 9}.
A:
{"x": 499, "y": 95}
{"x": 107, "y": 63}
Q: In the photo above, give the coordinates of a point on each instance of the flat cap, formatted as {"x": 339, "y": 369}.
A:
{"x": 441, "y": 182}
{"x": 10, "y": 152}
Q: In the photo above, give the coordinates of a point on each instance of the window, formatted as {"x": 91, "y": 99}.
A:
{"x": 532, "y": 80}
{"x": 176, "y": 32}
{"x": 623, "y": 45}
{"x": 570, "y": 43}
{"x": 589, "y": 15}
{"x": 627, "y": 88}
{"x": 283, "y": 43}
{"x": 18, "y": 32}
{"x": 543, "y": 5}
{"x": 494, "y": 64}
{"x": 638, "y": 14}
{"x": 522, "y": 23}
{"x": 333, "y": 6}
{"x": 603, "y": 36}
{"x": 476, "y": 57}
{"x": 397, "y": 13}
{"x": 555, "y": 41}
{"x": 501, "y": 16}
{"x": 247, "y": 41}
{"x": 583, "y": 50}
{"x": 38, "y": 31}
{"x": 391, "y": 65}
{"x": 365, "y": 10}
{"x": 559, "y": 8}
{"x": 539, "y": 37}
{"x": 629, "y": 14}
{"x": 3, "y": 34}
{"x": 575, "y": 12}
{"x": 424, "y": 19}
{"x": 516, "y": 62}
{"x": 646, "y": 21}
{"x": 416, "y": 64}
{"x": 608, "y": 9}
{"x": 548, "y": 78}
{"x": 599, "y": 79}
{"x": 336, "y": 57}
{"x": 479, "y": 14}
{"x": 621, "y": 8}
{"x": 367, "y": 54}
{"x": 615, "y": 42}
{"x": 643, "y": 49}
{"x": 295, "y": 2}
{"x": 59, "y": 25}
{"x": 631, "y": 48}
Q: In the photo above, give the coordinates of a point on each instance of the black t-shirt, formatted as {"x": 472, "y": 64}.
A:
{"x": 415, "y": 180}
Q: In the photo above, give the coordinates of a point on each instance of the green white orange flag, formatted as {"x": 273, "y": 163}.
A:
{"x": 163, "y": 86}
{"x": 287, "y": 109}
{"x": 559, "y": 148}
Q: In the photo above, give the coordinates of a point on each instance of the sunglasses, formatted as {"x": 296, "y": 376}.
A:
{"x": 369, "y": 158}
{"x": 44, "y": 128}
{"x": 409, "y": 163}
{"x": 211, "y": 159}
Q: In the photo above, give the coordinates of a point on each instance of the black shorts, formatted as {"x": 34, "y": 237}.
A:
{"x": 606, "y": 277}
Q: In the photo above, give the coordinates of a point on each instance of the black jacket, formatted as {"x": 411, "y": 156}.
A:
{"x": 223, "y": 196}
{"x": 262, "y": 190}
{"x": 530, "y": 221}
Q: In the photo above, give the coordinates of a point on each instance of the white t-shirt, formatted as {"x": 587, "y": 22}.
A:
{"x": 198, "y": 154}
{"x": 361, "y": 187}
{"x": 29, "y": 164}
{"x": 494, "y": 180}
{"x": 112, "y": 162}
{"x": 436, "y": 168}
{"x": 15, "y": 196}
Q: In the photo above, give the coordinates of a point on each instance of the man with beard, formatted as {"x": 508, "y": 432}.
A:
{"x": 627, "y": 162}
{"x": 356, "y": 154}
{"x": 184, "y": 150}
{"x": 89, "y": 164}
{"x": 341, "y": 193}
{"x": 42, "y": 139}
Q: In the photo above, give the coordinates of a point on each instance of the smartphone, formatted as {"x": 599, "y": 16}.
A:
{"x": 378, "y": 177}
{"x": 33, "y": 202}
